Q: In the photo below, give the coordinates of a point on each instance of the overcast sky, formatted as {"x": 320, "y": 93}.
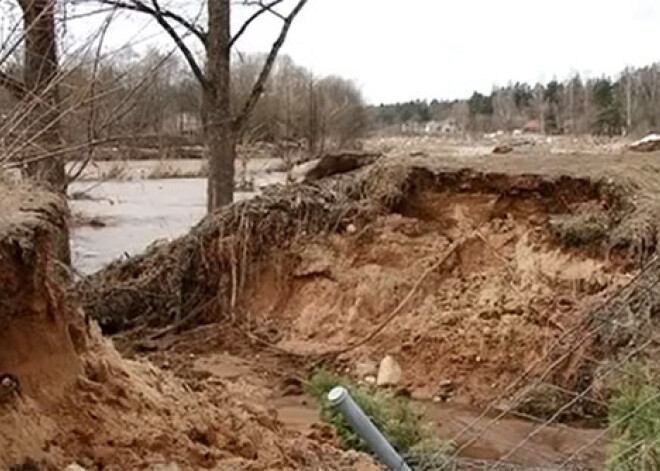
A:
{"x": 406, "y": 49}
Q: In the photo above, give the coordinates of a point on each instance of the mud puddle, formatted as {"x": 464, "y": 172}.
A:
{"x": 476, "y": 435}
{"x": 485, "y": 440}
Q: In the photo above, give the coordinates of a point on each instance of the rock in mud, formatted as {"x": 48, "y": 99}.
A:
{"x": 366, "y": 368}
{"x": 389, "y": 372}
{"x": 74, "y": 467}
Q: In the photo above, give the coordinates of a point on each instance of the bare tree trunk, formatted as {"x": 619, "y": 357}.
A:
{"x": 40, "y": 75}
{"x": 221, "y": 129}
{"x": 40, "y": 82}
{"x": 313, "y": 122}
{"x": 219, "y": 132}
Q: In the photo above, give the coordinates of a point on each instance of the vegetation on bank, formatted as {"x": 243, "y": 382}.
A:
{"x": 634, "y": 419}
{"x": 396, "y": 417}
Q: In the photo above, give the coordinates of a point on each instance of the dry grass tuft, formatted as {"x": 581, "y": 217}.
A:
{"x": 578, "y": 230}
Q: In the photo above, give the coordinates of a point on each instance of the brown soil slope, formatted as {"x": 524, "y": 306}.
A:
{"x": 465, "y": 283}
{"x": 67, "y": 396}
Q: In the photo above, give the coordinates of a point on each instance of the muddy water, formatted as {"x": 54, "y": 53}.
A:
{"x": 482, "y": 438}
{"x": 134, "y": 214}
{"x": 137, "y": 212}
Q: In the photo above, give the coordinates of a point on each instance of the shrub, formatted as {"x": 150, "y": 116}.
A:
{"x": 579, "y": 230}
{"x": 634, "y": 420}
{"x": 395, "y": 417}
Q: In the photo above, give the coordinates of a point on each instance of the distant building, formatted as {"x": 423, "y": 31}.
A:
{"x": 183, "y": 123}
{"x": 450, "y": 126}
{"x": 433, "y": 127}
{"x": 412, "y": 127}
{"x": 446, "y": 127}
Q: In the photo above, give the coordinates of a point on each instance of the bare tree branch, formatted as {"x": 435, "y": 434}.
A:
{"x": 185, "y": 50}
{"x": 167, "y": 14}
{"x": 161, "y": 16}
{"x": 15, "y": 87}
{"x": 259, "y": 85}
{"x": 264, "y": 7}
{"x": 92, "y": 132}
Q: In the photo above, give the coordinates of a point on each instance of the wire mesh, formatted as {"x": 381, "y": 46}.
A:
{"x": 635, "y": 303}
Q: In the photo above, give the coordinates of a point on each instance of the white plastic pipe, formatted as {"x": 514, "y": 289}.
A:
{"x": 342, "y": 400}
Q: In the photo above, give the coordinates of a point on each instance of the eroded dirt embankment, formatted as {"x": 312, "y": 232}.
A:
{"x": 67, "y": 396}
{"x": 464, "y": 283}
{"x": 469, "y": 279}
{"x": 479, "y": 285}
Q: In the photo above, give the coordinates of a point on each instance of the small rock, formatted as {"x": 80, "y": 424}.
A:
{"x": 74, "y": 467}
{"x": 537, "y": 219}
{"x": 366, "y": 368}
{"x": 351, "y": 229}
{"x": 389, "y": 372}
{"x": 370, "y": 380}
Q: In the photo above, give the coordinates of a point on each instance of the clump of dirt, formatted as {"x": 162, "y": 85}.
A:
{"x": 67, "y": 396}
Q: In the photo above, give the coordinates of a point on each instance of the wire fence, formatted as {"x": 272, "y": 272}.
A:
{"x": 635, "y": 429}
{"x": 630, "y": 309}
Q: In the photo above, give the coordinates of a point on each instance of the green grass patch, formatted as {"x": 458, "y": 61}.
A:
{"x": 634, "y": 420}
{"x": 396, "y": 417}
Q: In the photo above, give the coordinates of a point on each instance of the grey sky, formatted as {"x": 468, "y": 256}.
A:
{"x": 405, "y": 49}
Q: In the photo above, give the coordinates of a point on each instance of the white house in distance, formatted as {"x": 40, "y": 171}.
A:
{"x": 445, "y": 127}
{"x": 183, "y": 123}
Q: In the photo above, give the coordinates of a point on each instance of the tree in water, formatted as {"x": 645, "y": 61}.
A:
{"x": 222, "y": 128}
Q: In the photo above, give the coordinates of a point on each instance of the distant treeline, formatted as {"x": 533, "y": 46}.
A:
{"x": 626, "y": 104}
{"x": 155, "y": 94}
